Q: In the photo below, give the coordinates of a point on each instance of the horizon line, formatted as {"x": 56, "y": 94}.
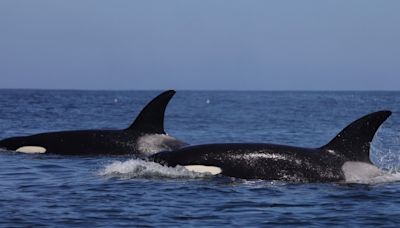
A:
{"x": 211, "y": 90}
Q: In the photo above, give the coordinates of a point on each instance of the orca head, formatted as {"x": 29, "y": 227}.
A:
{"x": 352, "y": 144}
{"x": 189, "y": 158}
{"x": 21, "y": 145}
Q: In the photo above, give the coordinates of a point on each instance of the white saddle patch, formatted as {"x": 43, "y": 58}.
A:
{"x": 204, "y": 169}
{"x": 359, "y": 171}
{"x": 154, "y": 143}
{"x": 31, "y": 149}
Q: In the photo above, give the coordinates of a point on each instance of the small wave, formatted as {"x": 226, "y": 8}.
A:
{"x": 136, "y": 168}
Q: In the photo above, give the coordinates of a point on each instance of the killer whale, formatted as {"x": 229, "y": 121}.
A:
{"x": 143, "y": 137}
{"x": 345, "y": 154}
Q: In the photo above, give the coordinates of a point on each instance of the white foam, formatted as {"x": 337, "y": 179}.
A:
{"x": 154, "y": 143}
{"x": 136, "y": 168}
{"x": 31, "y": 150}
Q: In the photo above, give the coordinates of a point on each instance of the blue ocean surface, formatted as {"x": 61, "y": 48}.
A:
{"x": 104, "y": 191}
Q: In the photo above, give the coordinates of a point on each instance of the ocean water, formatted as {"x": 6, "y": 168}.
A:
{"x": 57, "y": 191}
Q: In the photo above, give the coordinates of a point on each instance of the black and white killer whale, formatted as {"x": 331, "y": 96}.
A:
{"x": 343, "y": 158}
{"x": 144, "y": 137}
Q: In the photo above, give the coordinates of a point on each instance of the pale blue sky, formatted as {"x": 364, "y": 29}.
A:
{"x": 203, "y": 44}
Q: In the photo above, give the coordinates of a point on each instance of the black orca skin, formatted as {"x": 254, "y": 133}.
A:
{"x": 280, "y": 162}
{"x": 150, "y": 122}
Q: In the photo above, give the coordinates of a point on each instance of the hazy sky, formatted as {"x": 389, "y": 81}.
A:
{"x": 202, "y": 44}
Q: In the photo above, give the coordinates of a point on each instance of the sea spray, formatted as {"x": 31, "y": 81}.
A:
{"x": 136, "y": 168}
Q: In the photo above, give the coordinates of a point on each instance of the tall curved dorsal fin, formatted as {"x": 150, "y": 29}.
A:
{"x": 151, "y": 118}
{"x": 354, "y": 141}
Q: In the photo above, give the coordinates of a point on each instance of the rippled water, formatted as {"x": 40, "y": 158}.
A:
{"x": 52, "y": 190}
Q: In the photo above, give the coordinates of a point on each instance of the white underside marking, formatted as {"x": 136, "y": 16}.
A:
{"x": 31, "y": 149}
{"x": 359, "y": 171}
{"x": 204, "y": 169}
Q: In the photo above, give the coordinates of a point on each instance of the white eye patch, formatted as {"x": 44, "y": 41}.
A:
{"x": 31, "y": 150}
{"x": 204, "y": 169}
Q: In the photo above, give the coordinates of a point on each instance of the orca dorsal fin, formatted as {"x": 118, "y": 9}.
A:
{"x": 151, "y": 118}
{"x": 353, "y": 142}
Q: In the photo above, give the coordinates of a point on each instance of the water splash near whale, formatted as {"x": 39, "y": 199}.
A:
{"x": 136, "y": 168}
